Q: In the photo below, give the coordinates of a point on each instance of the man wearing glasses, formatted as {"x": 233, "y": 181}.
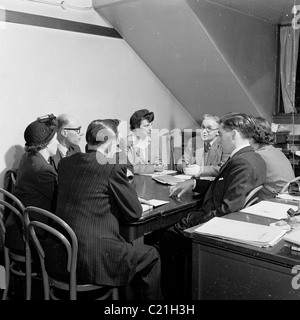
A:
{"x": 68, "y": 135}
{"x": 203, "y": 156}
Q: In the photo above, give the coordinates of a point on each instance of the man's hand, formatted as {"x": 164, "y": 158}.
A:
{"x": 180, "y": 188}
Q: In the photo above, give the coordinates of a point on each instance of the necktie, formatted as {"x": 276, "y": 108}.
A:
{"x": 69, "y": 152}
{"x": 206, "y": 146}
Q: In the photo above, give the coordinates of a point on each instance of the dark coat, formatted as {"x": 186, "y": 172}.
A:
{"x": 244, "y": 171}
{"x": 36, "y": 185}
{"x": 54, "y": 161}
{"x": 92, "y": 199}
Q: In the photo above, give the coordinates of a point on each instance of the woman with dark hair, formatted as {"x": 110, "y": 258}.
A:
{"x": 36, "y": 183}
{"x": 139, "y": 144}
{"x": 279, "y": 168}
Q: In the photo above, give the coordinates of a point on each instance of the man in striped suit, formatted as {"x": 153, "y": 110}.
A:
{"x": 94, "y": 196}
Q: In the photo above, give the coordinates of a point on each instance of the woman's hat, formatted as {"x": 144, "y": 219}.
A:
{"x": 40, "y": 131}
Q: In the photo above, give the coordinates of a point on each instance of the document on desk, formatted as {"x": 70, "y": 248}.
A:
{"x": 153, "y": 203}
{"x": 240, "y": 231}
{"x": 287, "y": 196}
{"x": 293, "y": 237}
{"x": 159, "y": 173}
{"x": 270, "y": 209}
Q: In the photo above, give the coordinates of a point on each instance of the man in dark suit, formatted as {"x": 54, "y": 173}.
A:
{"x": 68, "y": 135}
{"x": 243, "y": 171}
{"x": 94, "y": 195}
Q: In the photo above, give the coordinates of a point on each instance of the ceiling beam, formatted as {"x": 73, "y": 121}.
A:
{"x": 107, "y": 3}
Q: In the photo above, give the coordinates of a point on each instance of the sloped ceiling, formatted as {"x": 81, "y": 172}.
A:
{"x": 274, "y": 11}
{"x": 182, "y": 42}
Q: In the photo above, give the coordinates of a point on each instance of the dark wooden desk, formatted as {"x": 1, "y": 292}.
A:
{"x": 160, "y": 217}
{"x": 229, "y": 270}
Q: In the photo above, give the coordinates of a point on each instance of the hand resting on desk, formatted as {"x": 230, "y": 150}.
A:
{"x": 180, "y": 188}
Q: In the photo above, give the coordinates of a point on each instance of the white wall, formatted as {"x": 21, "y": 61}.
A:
{"x": 46, "y": 71}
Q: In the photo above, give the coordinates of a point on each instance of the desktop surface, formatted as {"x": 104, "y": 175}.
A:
{"x": 228, "y": 270}
{"x": 162, "y": 216}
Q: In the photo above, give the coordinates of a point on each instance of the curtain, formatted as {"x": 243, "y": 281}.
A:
{"x": 289, "y": 40}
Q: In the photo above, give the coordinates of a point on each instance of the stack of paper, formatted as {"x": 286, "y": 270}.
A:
{"x": 153, "y": 203}
{"x": 293, "y": 237}
{"x": 160, "y": 173}
{"x": 239, "y": 231}
{"x": 270, "y": 209}
{"x": 287, "y": 196}
{"x": 167, "y": 179}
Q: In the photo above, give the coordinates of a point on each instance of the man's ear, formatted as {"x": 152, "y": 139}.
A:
{"x": 63, "y": 132}
{"x": 233, "y": 134}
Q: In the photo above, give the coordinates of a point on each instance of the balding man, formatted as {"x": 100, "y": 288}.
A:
{"x": 68, "y": 135}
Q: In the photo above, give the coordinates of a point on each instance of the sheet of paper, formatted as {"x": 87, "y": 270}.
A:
{"x": 157, "y": 203}
{"x": 293, "y": 237}
{"x": 270, "y": 209}
{"x": 183, "y": 176}
{"x": 146, "y": 207}
{"x": 154, "y": 203}
{"x": 159, "y": 173}
{"x": 240, "y": 231}
{"x": 287, "y": 196}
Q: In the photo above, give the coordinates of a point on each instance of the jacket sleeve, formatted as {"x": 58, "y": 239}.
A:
{"x": 202, "y": 186}
{"x": 234, "y": 187}
{"x": 125, "y": 195}
{"x": 47, "y": 184}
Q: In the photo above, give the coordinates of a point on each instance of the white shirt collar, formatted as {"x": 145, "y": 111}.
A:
{"x": 211, "y": 142}
{"x": 62, "y": 149}
{"x": 239, "y": 148}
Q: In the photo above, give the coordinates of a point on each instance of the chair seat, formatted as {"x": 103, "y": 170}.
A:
{"x": 63, "y": 235}
{"x": 60, "y": 291}
{"x": 12, "y": 258}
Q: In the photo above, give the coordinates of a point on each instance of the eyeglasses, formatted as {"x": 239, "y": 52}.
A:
{"x": 77, "y": 130}
{"x": 208, "y": 129}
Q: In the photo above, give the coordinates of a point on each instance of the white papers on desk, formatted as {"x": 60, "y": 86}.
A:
{"x": 293, "y": 237}
{"x": 240, "y": 231}
{"x": 167, "y": 179}
{"x": 153, "y": 203}
{"x": 287, "y": 196}
{"x": 270, "y": 209}
{"x": 183, "y": 176}
{"x": 159, "y": 173}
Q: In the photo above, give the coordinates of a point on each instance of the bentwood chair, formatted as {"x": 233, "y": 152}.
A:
{"x": 60, "y": 231}
{"x": 16, "y": 263}
{"x": 252, "y": 197}
{"x": 286, "y": 186}
{"x": 9, "y": 185}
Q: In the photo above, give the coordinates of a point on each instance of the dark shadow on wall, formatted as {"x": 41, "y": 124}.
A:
{"x": 12, "y": 160}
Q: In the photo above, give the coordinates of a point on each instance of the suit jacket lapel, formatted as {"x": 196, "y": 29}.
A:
{"x": 211, "y": 188}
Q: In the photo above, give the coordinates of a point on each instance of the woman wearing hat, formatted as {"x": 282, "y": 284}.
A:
{"x": 36, "y": 183}
{"x": 139, "y": 143}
